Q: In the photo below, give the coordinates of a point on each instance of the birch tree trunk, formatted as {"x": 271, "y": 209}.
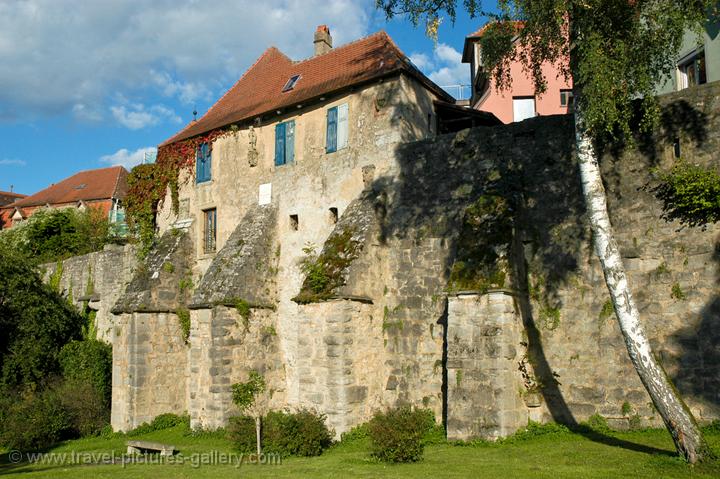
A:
{"x": 677, "y": 417}
{"x": 258, "y": 427}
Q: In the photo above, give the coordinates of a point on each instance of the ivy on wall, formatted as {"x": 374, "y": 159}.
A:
{"x": 148, "y": 184}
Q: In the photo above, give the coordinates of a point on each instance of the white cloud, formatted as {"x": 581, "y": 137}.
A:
{"x": 421, "y": 61}
{"x": 444, "y": 68}
{"x": 73, "y": 56}
{"x": 127, "y": 158}
{"x": 136, "y": 116}
{"x": 12, "y": 162}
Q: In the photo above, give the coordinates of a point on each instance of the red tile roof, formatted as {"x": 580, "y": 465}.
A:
{"x": 10, "y": 193}
{"x": 7, "y": 197}
{"x": 103, "y": 183}
{"x": 259, "y": 90}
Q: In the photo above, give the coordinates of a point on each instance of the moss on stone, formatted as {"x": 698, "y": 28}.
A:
{"x": 481, "y": 263}
{"x": 325, "y": 273}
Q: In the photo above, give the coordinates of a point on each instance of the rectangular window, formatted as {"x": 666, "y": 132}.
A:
{"x": 284, "y": 143}
{"x": 337, "y": 128}
{"x": 203, "y": 163}
{"x": 566, "y": 98}
{"x": 692, "y": 71}
{"x": 523, "y": 108}
{"x": 210, "y": 232}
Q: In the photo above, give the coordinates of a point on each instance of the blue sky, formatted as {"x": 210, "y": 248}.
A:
{"x": 87, "y": 84}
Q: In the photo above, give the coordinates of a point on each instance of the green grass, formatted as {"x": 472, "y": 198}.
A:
{"x": 553, "y": 455}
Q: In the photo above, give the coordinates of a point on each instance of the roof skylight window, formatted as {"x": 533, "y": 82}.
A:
{"x": 291, "y": 83}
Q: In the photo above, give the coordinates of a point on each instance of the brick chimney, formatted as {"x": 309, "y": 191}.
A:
{"x": 323, "y": 40}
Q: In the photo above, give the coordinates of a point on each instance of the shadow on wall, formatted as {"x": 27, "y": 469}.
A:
{"x": 532, "y": 165}
{"x": 697, "y": 369}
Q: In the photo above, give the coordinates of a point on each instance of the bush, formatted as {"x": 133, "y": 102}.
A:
{"x": 89, "y": 362}
{"x": 303, "y": 433}
{"x": 397, "y": 435}
{"x": 33, "y": 421}
{"x": 241, "y": 432}
{"x": 87, "y": 410}
{"x": 163, "y": 421}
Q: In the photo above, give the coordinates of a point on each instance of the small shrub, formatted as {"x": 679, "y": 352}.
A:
{"x": 598, "y": 423}
{"x": 163, "y": 421}
{"x": 397, "y": 435}
{"x": 690, "y": 194}
{"x": 358, "y": 433}
{"x": 87, "y": 409}
{"x": 533, "y": 430}
{"x": 607, "y": 310}
{"x": 241, "y": 432}
{"x": 303, "y": 433}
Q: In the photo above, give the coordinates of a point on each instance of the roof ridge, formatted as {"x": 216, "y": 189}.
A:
{"x": 341, "y": 47}
{"x": 189, "y": 124}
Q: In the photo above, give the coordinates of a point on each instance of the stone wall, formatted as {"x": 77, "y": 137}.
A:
{"x": 545, "y": 348}
{"x": 486, "y": 394}
{"x": 97, "y": 279}
{"x": 149, "y": 372}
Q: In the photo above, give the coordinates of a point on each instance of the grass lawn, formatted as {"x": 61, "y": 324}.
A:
{"x": 554, "y": 455}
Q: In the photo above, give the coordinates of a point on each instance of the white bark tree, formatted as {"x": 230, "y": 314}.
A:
{"x": 614, "y": 52}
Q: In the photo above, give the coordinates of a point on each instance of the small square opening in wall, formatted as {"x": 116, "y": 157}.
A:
{"x": 333, "y": 215}
{"x": 294, "y": 222}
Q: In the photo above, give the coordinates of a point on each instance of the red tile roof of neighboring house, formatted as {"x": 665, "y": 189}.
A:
{"x": 103, "y": 183}
{"x": 10, "y": 193}
{"x": 7, "y": 197}
{"x": 259, "y": 90}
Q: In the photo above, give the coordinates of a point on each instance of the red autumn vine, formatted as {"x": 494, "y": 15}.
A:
{"x": 148, "y": 184}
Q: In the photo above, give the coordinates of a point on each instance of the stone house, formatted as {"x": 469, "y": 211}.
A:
{"x": 103, "y": 188}
{"x": 306, "y": 138}
{"x": 520, "y": 101}
{"x": 331, "y": 240}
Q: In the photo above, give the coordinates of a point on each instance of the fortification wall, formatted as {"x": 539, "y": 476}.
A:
{"x": 97, "y": 278}
{"x": 537, "y": 345}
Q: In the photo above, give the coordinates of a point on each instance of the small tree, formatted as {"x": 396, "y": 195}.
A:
{"x": 246, "y": 397}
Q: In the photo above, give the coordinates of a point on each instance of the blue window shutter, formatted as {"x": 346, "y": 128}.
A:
{"x": 203, "y": 160}
{"x": 280, "y": 144}
{"x": 290, "y": 141}
{"x": 342, "y": 126}
{"x": 208, "y": 162}
{"x": 331, "y": 130}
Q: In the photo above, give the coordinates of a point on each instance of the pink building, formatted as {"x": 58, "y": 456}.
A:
{"x": 519, "y": 101}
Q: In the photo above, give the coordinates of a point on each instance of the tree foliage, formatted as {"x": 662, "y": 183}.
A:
{"x": 55, "y": 234}
{"x": 615, "y": 50}
{"x": 35, "y": 322}
{"x": 690, "y": 194}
